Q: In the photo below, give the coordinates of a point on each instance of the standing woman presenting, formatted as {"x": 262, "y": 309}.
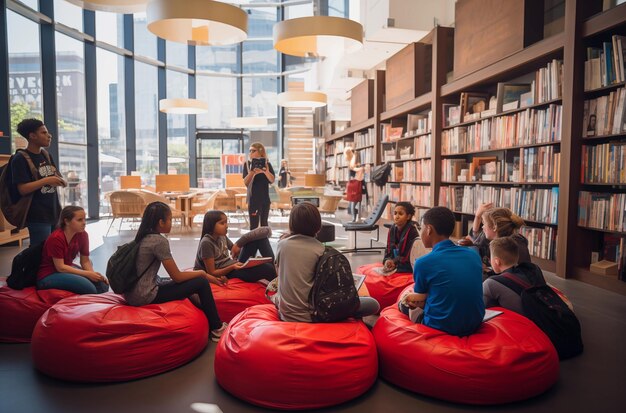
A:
{"x": 258, "y": 174}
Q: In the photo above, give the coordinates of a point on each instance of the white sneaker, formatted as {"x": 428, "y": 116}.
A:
{"x": 216, "y": 334}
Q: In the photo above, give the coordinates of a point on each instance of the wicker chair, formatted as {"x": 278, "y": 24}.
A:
{"x": 329, "y": 204}
{"x": 125, "y": 204}
{"x": 150, "y": 197}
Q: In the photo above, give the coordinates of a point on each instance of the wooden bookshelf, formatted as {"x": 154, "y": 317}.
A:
{"x": 584, "y": 25}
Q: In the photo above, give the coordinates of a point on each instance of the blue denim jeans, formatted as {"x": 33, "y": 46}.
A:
{"x": 71, "y": 282}
{"x": 38, "y": 231}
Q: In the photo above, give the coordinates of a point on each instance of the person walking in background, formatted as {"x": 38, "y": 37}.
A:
{"x": 57, "y": 270}
{"x": 284, "y": 174}
{"x": 357, "y": 172}
{"x": 258, "y": 174}
{"x": 45, "y": 207}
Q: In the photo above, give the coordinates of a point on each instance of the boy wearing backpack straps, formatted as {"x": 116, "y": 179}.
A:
{"x": 45, "y": 207}
{"x": 504, "y": 258}
{"x": 448, "y": 280}
{"x": 297, "y": 259}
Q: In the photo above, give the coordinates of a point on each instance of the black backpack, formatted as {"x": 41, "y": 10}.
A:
{"x": 24, "y": 267}
{"x": 122, "y": 268}
{"x": 380, "y": 174}
{"x": 14, "y": 206}
{"x": 546, "y": 309}
{"x": 333, "y": 296}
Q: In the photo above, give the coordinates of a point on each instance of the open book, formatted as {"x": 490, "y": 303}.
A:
{"x": 381, "y": 271}
{"x": 253, "y": 262}
{"x": 358, "y": 280}
{"x": 489, "y": 314}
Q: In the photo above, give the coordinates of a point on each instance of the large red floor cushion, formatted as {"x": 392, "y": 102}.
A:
{"x": 236, "y": 296}
{"x": 286, "y": 365}
{"x": 99, "y": 338}
{"x": 385, "y": 289}
{"x": 508, "y": 359}
{"x": 20, "y": 310}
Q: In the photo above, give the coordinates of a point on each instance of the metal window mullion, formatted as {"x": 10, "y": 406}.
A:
{"x": 5, "y": 107}
{"x": 91, "y": 110}
{"x": 191, "y": 120}
{"x": 162, "y": 117}
{"x": 47, "y": 40}
{"x": 129, "y": 96}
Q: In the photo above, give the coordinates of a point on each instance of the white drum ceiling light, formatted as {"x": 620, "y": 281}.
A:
{"x": 183, "y": 106}
{"x": 317, "y": 36}
{"x": 197, "y": 22}
{"x": 302, "y": 99}
{"x": 249, "y": 122}
{"x": 114, "y": 6}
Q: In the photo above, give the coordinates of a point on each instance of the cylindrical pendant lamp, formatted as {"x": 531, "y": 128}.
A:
{"x": 317, "y": 35}
{"x": 197, "y": 22}
{"x": 302, "y": 99}
{"x": 114, "y": 6}
{"x": 183, "y": 106}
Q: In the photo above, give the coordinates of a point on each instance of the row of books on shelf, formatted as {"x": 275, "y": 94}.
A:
{"x": 416, "y": 124}
{"x": 415, "y": 194}
{"x": 411, "y": 171}
{"x": 541, "y": 241}
{"x": 538, "y": 205}
{"x": 535, "y": 164}
{"x": 367, "y": 138}
{"x": 605, "y": 115}
{"x": 407, "y": 149}
{"x": 366, "y": 155}
{"x": 532, "y": 126}
{"x": 605, "y": 164}
{"x": 546, "y": 86}
{"x": 604, "y": 65}
{"x": 601, "y": 210}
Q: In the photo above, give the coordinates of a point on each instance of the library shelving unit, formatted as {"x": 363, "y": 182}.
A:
{"x": 408, "y": 125}
{"x": 597, "y": 229}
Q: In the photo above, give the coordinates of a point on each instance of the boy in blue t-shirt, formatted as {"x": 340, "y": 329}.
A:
{"x": 448, "y": 281}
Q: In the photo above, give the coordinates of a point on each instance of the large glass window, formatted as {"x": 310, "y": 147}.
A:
{"x": 70, "y": 64}
{"x": 146, "y": 120}
{"x": 110, "y": 28}
{"x": 259, "y": 96}
{"x": 220, "y": 59}
{"x": 145, "y": 41}
{"x": 220, "y": 93}
{"x": 176, "y": 54}
{"x": 177, "y": 127}
{"x": 33, "y": 4}
{"x": 111, "y": 122}
{"x": 260, "y": 57}
{"x": 337, "y": 8}
{"x": 261, "y": 21}
{"x": 68, "y": 14}
{"x": 24, "y": 73}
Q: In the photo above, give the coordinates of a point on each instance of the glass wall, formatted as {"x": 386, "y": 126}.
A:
{"x": 176, "y": 54}
{"x": 111, "y": 122}
{"x": 110, "y": 28}
{"x": 145, "y": 41}
{"x": 218, "y": 92}
{"x": 24, "y": 73}
{"x": 68, "y": 14}
{"x": 177, "y": 127}
{"x": 70, "y": 62}
{"x": 146, "y": 122}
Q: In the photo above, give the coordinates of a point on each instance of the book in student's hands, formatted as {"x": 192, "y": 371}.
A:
{"x": 383, "y": 271}
{"x": 253, "y": 262}
{"x": 489, "y": 314}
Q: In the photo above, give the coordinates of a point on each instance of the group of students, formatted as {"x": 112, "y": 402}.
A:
{"x": 454, "y": 283}
{"x": 449, "y": 293}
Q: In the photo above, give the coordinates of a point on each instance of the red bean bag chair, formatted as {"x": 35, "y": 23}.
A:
{"x": 236, "y": 296}
{"x": 508, "y": 359}
{"x": 286, "y": 365}
{"x": 99, "y": 338}
{"x": 20, "y": 310}
{"x": 385, "y": 289}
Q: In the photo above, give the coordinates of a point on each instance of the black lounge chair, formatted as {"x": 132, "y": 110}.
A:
{"x": 368, "y": 225}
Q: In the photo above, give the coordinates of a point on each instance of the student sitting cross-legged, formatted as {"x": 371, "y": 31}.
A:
{"x": 504, "y": 258}
{"x": 296, "y": 258}
{"x": 223, "y": 259}
{"x": 448, "y": 281}
{"x": 59, "y": 251}
{"x": 400, "y": 239}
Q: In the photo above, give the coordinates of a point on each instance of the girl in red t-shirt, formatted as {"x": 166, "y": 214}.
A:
{"x": 59, "y": 251}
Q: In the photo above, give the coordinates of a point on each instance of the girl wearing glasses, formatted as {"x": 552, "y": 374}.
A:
{"x": 258, "y": 174}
